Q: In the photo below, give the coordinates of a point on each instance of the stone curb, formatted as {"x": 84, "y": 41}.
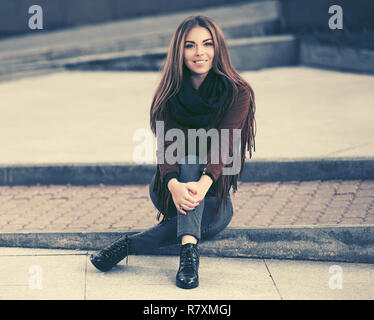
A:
{"x": 323, "y": 243}
{"x": 122, "y": 174}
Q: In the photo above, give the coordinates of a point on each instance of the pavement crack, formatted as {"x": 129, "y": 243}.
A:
{"x": 85, "y": 278}
{"x": 272, "y": 279}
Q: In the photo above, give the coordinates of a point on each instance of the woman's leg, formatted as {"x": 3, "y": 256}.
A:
{"x": 203, "y": 226}
{"x": 189, "y": 225}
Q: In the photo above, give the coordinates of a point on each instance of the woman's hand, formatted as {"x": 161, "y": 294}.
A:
{"x": 199, "y": 189}
{"x": 185, "y": 194}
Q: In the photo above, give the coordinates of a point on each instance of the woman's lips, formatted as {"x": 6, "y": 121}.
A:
{"x": 200, "y": 62}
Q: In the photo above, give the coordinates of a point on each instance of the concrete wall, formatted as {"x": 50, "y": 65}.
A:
{"x": 312, "y": 15}
{"x": 58, "y": 14}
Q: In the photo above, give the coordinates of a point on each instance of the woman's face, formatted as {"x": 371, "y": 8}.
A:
{"x": 198, "y": 50}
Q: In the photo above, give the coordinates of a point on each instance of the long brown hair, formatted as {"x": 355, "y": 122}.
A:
{"x": 172, "y": 70}
{"x": 172, "y": 75}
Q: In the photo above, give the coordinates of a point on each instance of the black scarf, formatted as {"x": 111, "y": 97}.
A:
{"x": 197, "y": 108}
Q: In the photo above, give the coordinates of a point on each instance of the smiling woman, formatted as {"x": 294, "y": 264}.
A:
{"x": 199, "y": 89}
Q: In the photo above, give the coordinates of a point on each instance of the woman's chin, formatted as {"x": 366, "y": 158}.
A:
{"x": 199, "y": 71}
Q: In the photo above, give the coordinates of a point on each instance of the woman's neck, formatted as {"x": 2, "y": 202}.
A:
{"x": 197, "y": 79}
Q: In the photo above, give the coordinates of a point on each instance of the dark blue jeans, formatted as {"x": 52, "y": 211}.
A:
{"x": 199, "y": 222}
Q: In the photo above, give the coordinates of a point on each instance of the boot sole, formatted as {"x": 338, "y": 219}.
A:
{"x": 186, "y": 286}
{"x": 97, "y": 266}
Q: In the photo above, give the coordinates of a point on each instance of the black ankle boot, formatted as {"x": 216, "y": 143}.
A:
{"x": 107, "y": 258}
{"x": 187, "y": 276}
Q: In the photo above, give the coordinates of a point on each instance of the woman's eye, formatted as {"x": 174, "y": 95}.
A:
{"x": 191, "y": 45}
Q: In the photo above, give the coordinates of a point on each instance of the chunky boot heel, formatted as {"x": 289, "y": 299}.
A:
{"x": 107, "y": 258}
{"x": 187, "y": 276}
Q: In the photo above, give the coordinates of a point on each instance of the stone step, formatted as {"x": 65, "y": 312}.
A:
{"x": 254, "y": 18}
{"x": 240, "y": 20}
{"x": 246, "y": 54}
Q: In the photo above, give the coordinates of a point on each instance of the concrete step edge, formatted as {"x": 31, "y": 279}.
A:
{"x": 122, "y": 173}
{"x": 353, "y": 243}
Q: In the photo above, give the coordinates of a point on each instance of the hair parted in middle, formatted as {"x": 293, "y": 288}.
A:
{"x": 172, "y": 70}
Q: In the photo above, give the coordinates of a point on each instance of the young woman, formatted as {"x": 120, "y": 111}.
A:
{"x": 199, "y": 89}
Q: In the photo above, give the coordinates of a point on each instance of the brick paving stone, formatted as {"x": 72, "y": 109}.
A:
{"x": 369, "y": 219}
{"x": 330, "y": 211}
{"x": 291, "y": 212}
{"x": 315, "y": 207}
{"x": 365, "y": 193}
{"x": 305, "y": 221}
{"x": 69, "y": 208}
{"x": 281, "y": 222}
{"x": 339, "y": 204}
{"x": 13, "y": 228}
{"x": 352, "y": 221}
{"x": 355, "y": 213}
{"x": 294, "y": 205}
{"x": 367, "y": 184}
{"x": 307, "y": 214}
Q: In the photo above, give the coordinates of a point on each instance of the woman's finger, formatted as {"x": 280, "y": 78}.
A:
{"x": 187, "y": 206}
{"x": 183, "y": 210}
{"x": 191, "y": 204}
{"x": 192, "y": 189}
{"x": 193, "y": 200}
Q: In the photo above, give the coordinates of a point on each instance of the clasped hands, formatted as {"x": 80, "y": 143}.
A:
{"x": 189, "y": 194}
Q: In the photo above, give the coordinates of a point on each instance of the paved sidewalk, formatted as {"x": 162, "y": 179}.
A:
{"x": 103, "y": 117}
{"x": 62, "y": 274}
{"x": 117, "y": 208}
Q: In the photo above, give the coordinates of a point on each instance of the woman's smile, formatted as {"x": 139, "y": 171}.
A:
{"x": 200, "y": 61}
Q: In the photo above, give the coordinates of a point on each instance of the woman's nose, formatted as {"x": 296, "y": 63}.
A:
{"x": 199, "y": 50}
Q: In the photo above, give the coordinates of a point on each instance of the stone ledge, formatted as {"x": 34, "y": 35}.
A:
{"x": 122, "y": 174}
{"x": 323, "y": 243}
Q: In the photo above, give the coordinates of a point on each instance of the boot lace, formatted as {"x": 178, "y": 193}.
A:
{"x": 189, "y": 257}
{"x": 117, "y": 250}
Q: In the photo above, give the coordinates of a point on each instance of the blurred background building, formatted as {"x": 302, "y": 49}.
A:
{"x": 83, "y": 116}
{"x": 134, "y": 35}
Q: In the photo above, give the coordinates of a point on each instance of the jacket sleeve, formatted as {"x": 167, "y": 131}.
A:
{"x": 233, "y": 119}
